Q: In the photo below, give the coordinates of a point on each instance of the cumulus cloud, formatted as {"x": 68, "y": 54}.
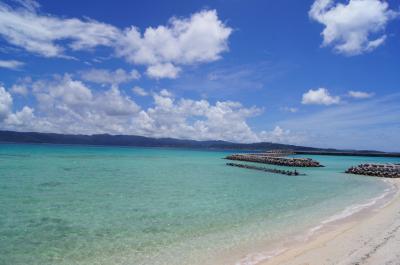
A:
{"x": 198, "y": 119}
{"x": 19, "y": 89}
{"x": 319, "y": 96}
{"x": 66, "y": 93}
{"x": 67, "y": 105}
{"x": 63, "y": 91}
{"x": 166, "y": 70}
{"x": 22, "y": 86}
{"x": 139, "y": 91}
{"x": 360, "y": 94}
{"x": 200, "y": 38}
{"x": 11, "y": 64}
{"x": 5, "y": 103}
{"x": 165, "y": 93}
{"x": 23, "y": 119}
{"x": 279, "y": 135}
{"x": 355, "y": 27}
{"x": 103, "y": 76}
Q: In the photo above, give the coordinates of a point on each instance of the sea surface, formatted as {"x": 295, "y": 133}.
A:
{"x": 84, "y": 205}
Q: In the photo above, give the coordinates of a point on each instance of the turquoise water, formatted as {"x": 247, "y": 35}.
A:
{"x": 111, "y": 205}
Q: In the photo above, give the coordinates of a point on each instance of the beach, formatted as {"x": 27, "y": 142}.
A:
{"x": 371, "y": 239}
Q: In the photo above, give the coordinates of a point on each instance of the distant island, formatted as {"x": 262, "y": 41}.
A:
{"x": 142, "y": 141}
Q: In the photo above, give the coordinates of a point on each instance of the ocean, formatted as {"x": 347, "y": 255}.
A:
{"x": 84, "y": 205}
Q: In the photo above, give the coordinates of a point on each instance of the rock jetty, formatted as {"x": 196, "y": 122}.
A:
{"x": 270, "y": 170}
{"x": 377, "y": 170}
{"x": 277, "y": 153}
{"x": 274, "y": 160}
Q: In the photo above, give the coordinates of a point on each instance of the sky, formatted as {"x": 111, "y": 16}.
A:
{"x": 321, "y": 73}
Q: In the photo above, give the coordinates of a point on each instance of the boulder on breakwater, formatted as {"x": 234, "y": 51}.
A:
{"x": 376, "y": 170}
{"x": 270, "y": 170}
{"x": 274, "y": 160}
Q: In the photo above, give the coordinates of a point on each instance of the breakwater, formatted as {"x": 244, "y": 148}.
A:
{"x": 280, "y": 161}
{"x": 377, "y": 170}
{"x": 349, "y": 153}
{"x": 277, "y": 153}
{"x": 270, "y": 170}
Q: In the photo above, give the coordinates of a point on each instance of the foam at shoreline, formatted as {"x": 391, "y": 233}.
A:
{"x": 348, "y": 213}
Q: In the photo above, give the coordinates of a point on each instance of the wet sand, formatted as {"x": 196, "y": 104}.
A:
{"x": 373, "y": 239}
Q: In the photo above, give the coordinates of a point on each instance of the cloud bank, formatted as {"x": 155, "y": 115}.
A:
{"x": 68, "y": 105}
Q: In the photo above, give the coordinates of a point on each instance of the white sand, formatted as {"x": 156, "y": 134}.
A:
{"x": 373, "y": 240}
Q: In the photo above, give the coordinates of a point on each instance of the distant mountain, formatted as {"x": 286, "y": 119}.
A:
{"x": 134, "y": 140}
{"x": 141, "y": 141}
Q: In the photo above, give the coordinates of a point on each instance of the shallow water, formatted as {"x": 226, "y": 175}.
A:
{"x": 112, "y": 205}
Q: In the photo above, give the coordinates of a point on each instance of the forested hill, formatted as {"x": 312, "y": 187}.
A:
{"x": 141, "y": 141}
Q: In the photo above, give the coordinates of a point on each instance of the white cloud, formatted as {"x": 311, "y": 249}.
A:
{"x": 165, "y": 93}
{"x": 279, "y": 135}
{"x": 62, "y": 91}
{"x": 199, "y": 119}
{"x": 65, "y": 93}
{"x": 200, "y": 38}
{"x": 118, "y": 104}
{"x": 355, "y": 27}
{"x": 66, "y": 105}
{"x": 139, "y": 91}
{"x": 19, "y": 89}
{"x": 22, "y": 86}
{"x": 41, "y": 34}
{"x": 319, "y": 96}
{"x": 360, "y": 94}
{"x": 166, "y": 70}
{"x": 11, "y": 64}
{"x": 103, "y": 76}
{"x": 22, "y": 118}
{"x": 69, "y": 106}
{"x": 5, "y": 103}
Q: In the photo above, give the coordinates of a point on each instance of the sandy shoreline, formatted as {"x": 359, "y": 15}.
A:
{"x": 374, "y": 239}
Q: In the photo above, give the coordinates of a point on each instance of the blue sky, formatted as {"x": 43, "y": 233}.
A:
{"x": 319, "y": 73}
